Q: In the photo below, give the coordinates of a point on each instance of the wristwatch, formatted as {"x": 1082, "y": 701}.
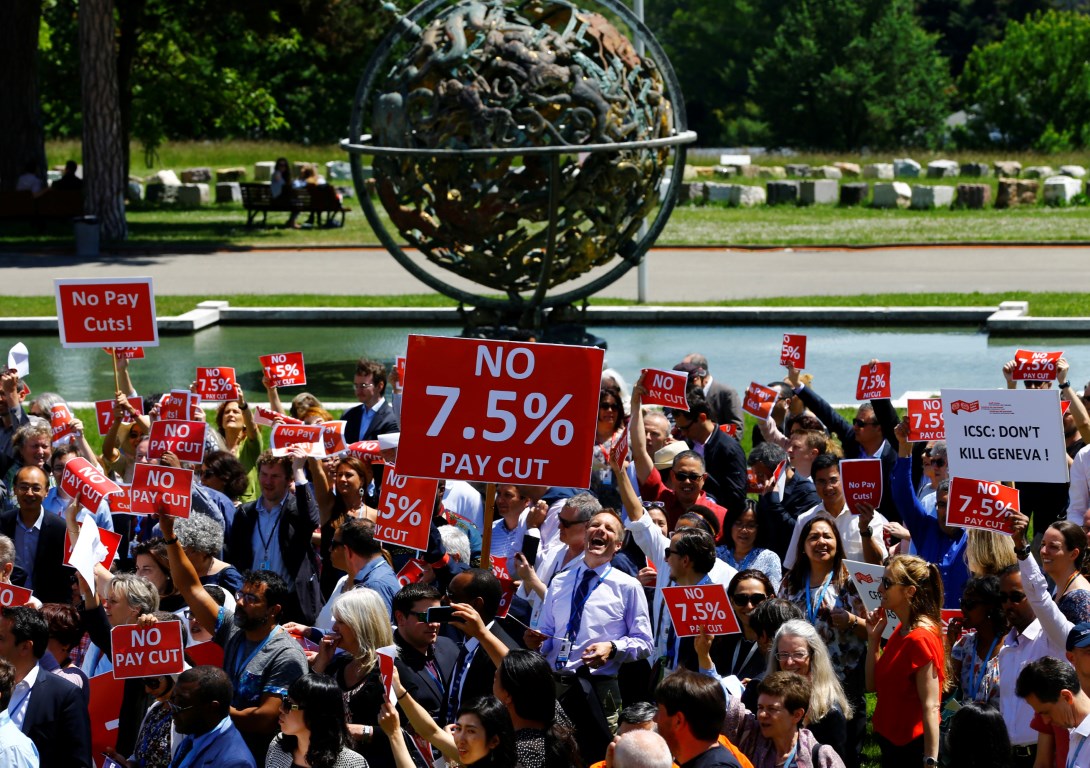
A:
{"x": 1065, "y": 385}
{"x": 930, "y": 761}
{"x": 868, "y": 531}
{"x": 1022, "y": 553}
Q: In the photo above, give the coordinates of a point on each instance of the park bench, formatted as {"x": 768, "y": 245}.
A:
{"x": 318, "y": 199}
{"x": 56, "y": 204}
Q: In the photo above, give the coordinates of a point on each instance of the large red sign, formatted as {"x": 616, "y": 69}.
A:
{"x": 185, "y": 439}
{"x": 106, "y": 313}
{"x": 925, "y": 421}
{"x": 285, "y": 369}
{"x": 309, "y": 436}
{"x": 665, "y": 388}
{"x": 12, "y": 596}
{"x": 758, "y": 400}
{"x": 981, "y": 504}
{"x": 694, "y": 609}
{"x": 147, "y": 651}
{"x": 216, "y": 384}
{"x": 1035, "y": 366}
{"x": 404, "y": 510}
{"x": 178, "y": 405}
{"x": 109, "y": 539}
{"x": 158, "y": 489}
{"x": 793, "y": 350}
{"x": 861, "y": 480}
{"x": 84, "y": 481}
{"x": 873, "y": 382}
{"x": 60, "y": 420}
{"x": 500, "y": 411}
{"x": 104, "y": 412}
{"x": 120, "y": 503}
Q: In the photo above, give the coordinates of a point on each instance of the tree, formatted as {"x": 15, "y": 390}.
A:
{"x": 1034, "y": 86}
{"x": 20, "y": 114}
{"x": 844, "y": 74}
{"x": 964, "y": 24}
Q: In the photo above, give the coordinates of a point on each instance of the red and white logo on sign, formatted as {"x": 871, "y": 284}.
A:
{"x": 1035, "y": 366}
{"x": 498, "y": 412}
{"x": 758, "y": 400}
{"x": 694, "y": 609}
{"x": 158, "y": 489}
{"x": 981, "y": 504}
{"x": 147, "y": 651}
{"x": 106, "y": 313}
{"x": 861, "y": 480}
{"x": 309, "y": 436}
{"x": 873, "y": 382}
{"x": 285, "y": 369}
{"x": 404, "y": 510}
{"x": 968, "y": 406}
{"x": 666, "y": 388}
{"x": 185, "y": 439}
{"x": 216, "y": 384}
{"x": 925, "y": 421}
{"x": 793, "y": 350}
{"x": 60, "y": 420}
{"x": 84, "y": 481}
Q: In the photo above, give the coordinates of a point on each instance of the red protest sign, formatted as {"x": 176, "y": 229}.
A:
{"x": 1035, "y": 366}
{"x": 1065, "y": 406}
{"x": 333, "y": 437}
{"x": 498, "y": 412}
{"x": 285, "y": 369}
{"x": 693, "y": 609}
{"x": 366, "y": 451}
{"x": 104, "y": 413}
{"x": 793, "y": 350}
{"x": 411, "y": 572}
{"x": 109, "y": 539}
{"x": 268, "y": 417}
{"x": 404, "y": 510}
{"x": 185, "y": 439}
{"x": 873, "y": 382}
{"x": 216, "y": 384}
{"x": 500, "y": 567}
{"x": 386, "y": 671}
{"x": 120, "y": 503}
{"x": 981, "y": 504}
{"x": 84, "y": 481}
{"x": 758, "y": 400}
{"x": 159, "y": 489}
{"x": 507, "y": 597}
{"x": 12, "y": 596}
{"x": 399, "y": 367}
{"x": 619, "y": 451}
{"x": 106, "y": 313}
{"x": 206, "y": 653}
{"x": 146, "y": 651}
{"x": 925, "y": 421}
{"x": 665, "y": 388}
{"x": 861, "y": 480}
{"x": 125, "y": 353}
{"x": 948, "y": 615}
{"x": 309, "y": 436}
{"x": 730, "y": 429}
{"x": 106, "y": 695}
{"x": 178, "y": 405}
{"x": 60, "y": 420}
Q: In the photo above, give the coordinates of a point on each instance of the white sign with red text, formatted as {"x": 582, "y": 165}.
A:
{"x": 867, "y": 576}
{"x": 694, "y": 609}
{"x": 147, "y": 651}
{"x": 106, "y": 313}
{"x": 982, "y": 504}
{"x": 925, "y": 422}
{"x": 873, "y": 382}
{"x": 861, "y": 480}
{"x": 1035, "y": 366}
{"x": 185, "y": 439}
{"x": 216, "y": 384}
{"x": 159, "y": 489}
{"x": 404, "y": 510}
{"x": 793, "y": 350}
{"x": 284, "y": 369}
{"x": 666, "y": 388}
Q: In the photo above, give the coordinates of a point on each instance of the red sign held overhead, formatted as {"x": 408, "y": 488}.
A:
{"x": 109, "y": 539}
{"x": 158, "y": 489}
{"x": 981, "y": 504}
{"x": 121, "y": 503}
{"x": 60, "y": 420}
{"x": 873, "y": 382}
{"x": 1035, "y": 366}
{"x": 399, "y": 367}
{"x": 285, "y": 369}
{"x": 84, "y": 481}
{"x": 500, "y": 411}
{"x": 125, "y": 353}
{"x": 404, "y": 510}
{"x": 178, "y": 405}
{"x": 185, "y": 439}
{"x": 694, "y": 609}
{"x": 507, "y": 597}
{"x": 106, "y": 313}
{"x": 793, "y": 350}
{"x": 925, "y": 421}
{"x": 104, "y": 413}
{"x": 333, "y": 437}
{"x": 666, "y": 388}
{"x": 758, "y": 400}
{"x": 366, "y": 451}
{"x": 309, "y": 436}
{"x": 268, "y": 417}
{"x": 12, "y": 596}
{"x": 216, "y": 384}
{"x": 619, "y": 451}
{"x": 862, "y": 482}
{"x": 147, "y": 651}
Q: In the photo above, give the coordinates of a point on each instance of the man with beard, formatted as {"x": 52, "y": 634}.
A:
{"x": 260, "y": 658}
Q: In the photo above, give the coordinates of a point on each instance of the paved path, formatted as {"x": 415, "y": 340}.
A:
{"x": 703, "y": 274}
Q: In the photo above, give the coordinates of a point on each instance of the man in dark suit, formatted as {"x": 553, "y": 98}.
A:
{"x": 726, "y": 405}
{"x": 273, "y": 533}
{"x": 723, "y": 455}
{"x": 474, "y": 673}
{"x": 202, "y": 703}
{"x": 47, "y": 708}
{"x": 373, "y": 416}
{"x": 426, "y": 660}
{"x": 38, "y": 538}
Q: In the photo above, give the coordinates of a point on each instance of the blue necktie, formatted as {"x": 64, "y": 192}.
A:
{"x": 579, "y": 602}
{"x": 183, "y": 750}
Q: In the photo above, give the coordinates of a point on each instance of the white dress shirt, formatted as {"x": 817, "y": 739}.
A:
{"x": 1018, "y": 650}
{"x": 848, "y": 526}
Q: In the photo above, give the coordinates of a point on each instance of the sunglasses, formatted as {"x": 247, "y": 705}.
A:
{"x": 654, "y": 505}
{"x": 568, "y": 523}
{"x": 940, "y": 463}
{"x": 1013, "y": 597}
{"x": 608, "y": 407}
{"x": 287, "y": 705}
{"x": 861, "y": 423}
{"x": 743, "y": 600}
{"x": 691, "y": 476}
{"x": 672, "y": 552}
{"x": 888, "y": 583}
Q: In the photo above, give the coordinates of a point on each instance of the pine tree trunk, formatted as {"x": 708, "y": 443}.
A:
{"x": 22, "y": 138}
{"x": 103, "y": 150}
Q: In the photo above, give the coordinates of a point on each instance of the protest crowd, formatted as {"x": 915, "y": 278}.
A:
{"x": 242, "y": 601}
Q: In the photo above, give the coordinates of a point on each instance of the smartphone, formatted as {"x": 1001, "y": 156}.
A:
{"x": 530, "y": 545}
{"x": 440, "y": 614}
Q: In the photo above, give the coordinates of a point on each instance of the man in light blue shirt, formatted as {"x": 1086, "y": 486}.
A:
{"x": 16, "y": 750}
{"x": 363, "y": 556}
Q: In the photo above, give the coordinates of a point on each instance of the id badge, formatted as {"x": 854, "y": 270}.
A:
{"x": 562, "y": 655}
{"x": 535, "y": 614}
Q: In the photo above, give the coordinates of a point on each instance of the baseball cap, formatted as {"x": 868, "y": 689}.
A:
{"x": 1079, "y": 636}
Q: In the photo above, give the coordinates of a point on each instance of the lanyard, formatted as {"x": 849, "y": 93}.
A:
{"x": 238, "y": 668}
{"x": 1060, "y": 593}
{"x": 267, "y": 540}
{"x": 792, "y": 757}
{"x": 572, "y": 613}
{"x": 734, "y": 668}
{"x": 975, "y": 682}
{"x": 1074, "y": 759}
{"x": 811, "y": 609}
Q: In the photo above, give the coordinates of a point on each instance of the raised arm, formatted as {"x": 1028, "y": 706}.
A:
{"x": 273, "y": 394}
{"x": 205, "y": 610}
{"x": 323, "y": 491}
{"x": 423, "y": 723}
{"x": 637, "y": 440}
{"x": 1077, "y": 409}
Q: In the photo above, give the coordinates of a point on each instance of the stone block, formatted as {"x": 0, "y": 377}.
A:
{"x": 193, "y": 195}
{"x": 228, "y": 192}
{"x": 773, "y": 172}
{"x": 825, "y": 172}
{"x": 747, "y": 195}
{"x": 1037, "y": 172}
{"x": 735, "y": 159}
{"x": 135, "y": 191}
{"x": 167, "y": 178}
{"x": 1059, "y": 190}
{"x": 230, "y": 174}
{"x": 338, "y": 170}
{"x": 894, "y": 194}
{"x": 878, "y": 171}
{"x": 928, "y": 196}
{"x": 819, "y": 192}
{"x": 849, "y": 170}
{"x": 976, "y": 170}
{"x": 164, "y": 194}
{"x": 725, "y": 171}
{"x": 747, "y": 170}
{"x": 797, "y": 170}
{"x": 689, "y": 173}
{"x": 1014, "y": 192}
{"x": 718, "y": 193}
{"x": 705, "y": 172}
{"x": 698, "y": 191}
{"x": 1074, "y": 171}
{"x": 783, "y": 192}
{"x": 942, "y": 169}
{"x": 905, "y": 168}
{"x": 196, "y": 175}
{"x": 1007, "y": 169}
{"x": 854, "y": 193}
{"x": 263, "y": 170}
{"x": 973, "y": 195}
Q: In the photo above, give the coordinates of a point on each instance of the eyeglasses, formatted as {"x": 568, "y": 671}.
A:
{"x": 754, "y": 599}
{"x": 888, "y": 583}
{"x": 672, "y": 552}
{"x": 207, "y": 473}
{"x": 861, "y": 423}
{"x": 364, "y": 386}
{"x": 654, "y": 505}
{"x": 247, "y": 597}
{"x": 608, "y": 407}
{"x": 745, "y": 526}
{"x": 691, "y": 476}
{"x": 939, "y": 463}
{"x": 287, "y": 705}
{"x": 176, "y": 709}
{"x": 1013, "y": 596}
{"x": 569, "y": 523}
{"x": 27, "y": 488}
{"x": 969, "y": 603}
{"x": 794, "y": 656}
